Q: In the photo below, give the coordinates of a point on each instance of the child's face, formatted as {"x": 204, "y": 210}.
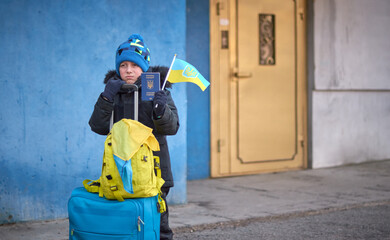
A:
{"x": 129, "y": 72}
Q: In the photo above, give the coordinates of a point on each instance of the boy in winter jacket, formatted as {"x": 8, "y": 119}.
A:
{"x": 133, "y": 58}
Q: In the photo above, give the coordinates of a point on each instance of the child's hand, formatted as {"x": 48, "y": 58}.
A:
{"x": 159, "y": 101}
{"x": 113, "y": 86}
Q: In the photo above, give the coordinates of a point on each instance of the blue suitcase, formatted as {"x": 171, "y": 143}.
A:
{"x": 94, "y": 218}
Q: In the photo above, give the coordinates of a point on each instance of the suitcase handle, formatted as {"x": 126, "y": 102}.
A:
{"x": 128, "y": 87}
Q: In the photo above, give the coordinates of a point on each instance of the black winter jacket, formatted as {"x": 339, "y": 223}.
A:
{"x": 168, "y": 124}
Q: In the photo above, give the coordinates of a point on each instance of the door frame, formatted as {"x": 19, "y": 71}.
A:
{"x": 220, "y": 135}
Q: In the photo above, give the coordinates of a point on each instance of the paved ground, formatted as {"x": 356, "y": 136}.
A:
{"x": 360, "y": 222}
{"x": 253, "y": 198}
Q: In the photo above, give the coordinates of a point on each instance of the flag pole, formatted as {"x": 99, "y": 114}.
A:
{"x": 169, "y": 71}
{"x": 166, "y": 77}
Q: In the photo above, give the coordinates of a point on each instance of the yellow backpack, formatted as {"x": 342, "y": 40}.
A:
{"x": 129, "y": 168}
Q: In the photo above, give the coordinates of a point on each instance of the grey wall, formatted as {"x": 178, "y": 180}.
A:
{"x": 351, "y": 90}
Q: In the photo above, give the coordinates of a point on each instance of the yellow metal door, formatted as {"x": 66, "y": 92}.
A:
{"x": 258, "y": 94}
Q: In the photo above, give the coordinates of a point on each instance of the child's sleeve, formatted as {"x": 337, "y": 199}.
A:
{"x": 100, "y": 118}
{"x": 168, "y": 124}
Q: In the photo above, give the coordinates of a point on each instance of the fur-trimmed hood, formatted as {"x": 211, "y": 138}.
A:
{"x": 161, "y": 69}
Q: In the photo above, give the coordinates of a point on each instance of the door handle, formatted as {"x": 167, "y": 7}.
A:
{"x": 243, "y": 74}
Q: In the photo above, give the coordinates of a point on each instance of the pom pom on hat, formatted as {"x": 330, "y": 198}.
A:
{"x": 133, "y": 50}
{"x": 135, "y": 36}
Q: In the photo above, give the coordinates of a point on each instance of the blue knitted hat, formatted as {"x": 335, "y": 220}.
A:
{"x": 133, "y": 50}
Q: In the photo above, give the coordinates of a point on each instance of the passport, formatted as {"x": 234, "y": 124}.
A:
{"x": 150, "y": 82}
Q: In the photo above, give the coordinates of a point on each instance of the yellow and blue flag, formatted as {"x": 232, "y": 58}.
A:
{"x": 182, "y": 71}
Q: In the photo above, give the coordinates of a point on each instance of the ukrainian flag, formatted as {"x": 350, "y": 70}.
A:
{"x": 182, "y": 71}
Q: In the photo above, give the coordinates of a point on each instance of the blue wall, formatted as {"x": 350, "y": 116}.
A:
{"x": 198, "y": 122}
{"x": 54, "y": 55}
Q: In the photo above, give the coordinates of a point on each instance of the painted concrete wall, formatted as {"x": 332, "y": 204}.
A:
{"x": 351, "y": 95}
{"x": 198, "y": 118}
{"x": 54, "y": 56}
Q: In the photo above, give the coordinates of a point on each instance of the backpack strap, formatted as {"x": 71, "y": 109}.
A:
{"x": 117, "y": 194}
{"x": 161, "y": 206}
{"x": 157, "y": 166}
{"x": 91, "y": 186}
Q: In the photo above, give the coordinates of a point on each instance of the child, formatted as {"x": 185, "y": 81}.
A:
{"x": 132, "y": 58}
